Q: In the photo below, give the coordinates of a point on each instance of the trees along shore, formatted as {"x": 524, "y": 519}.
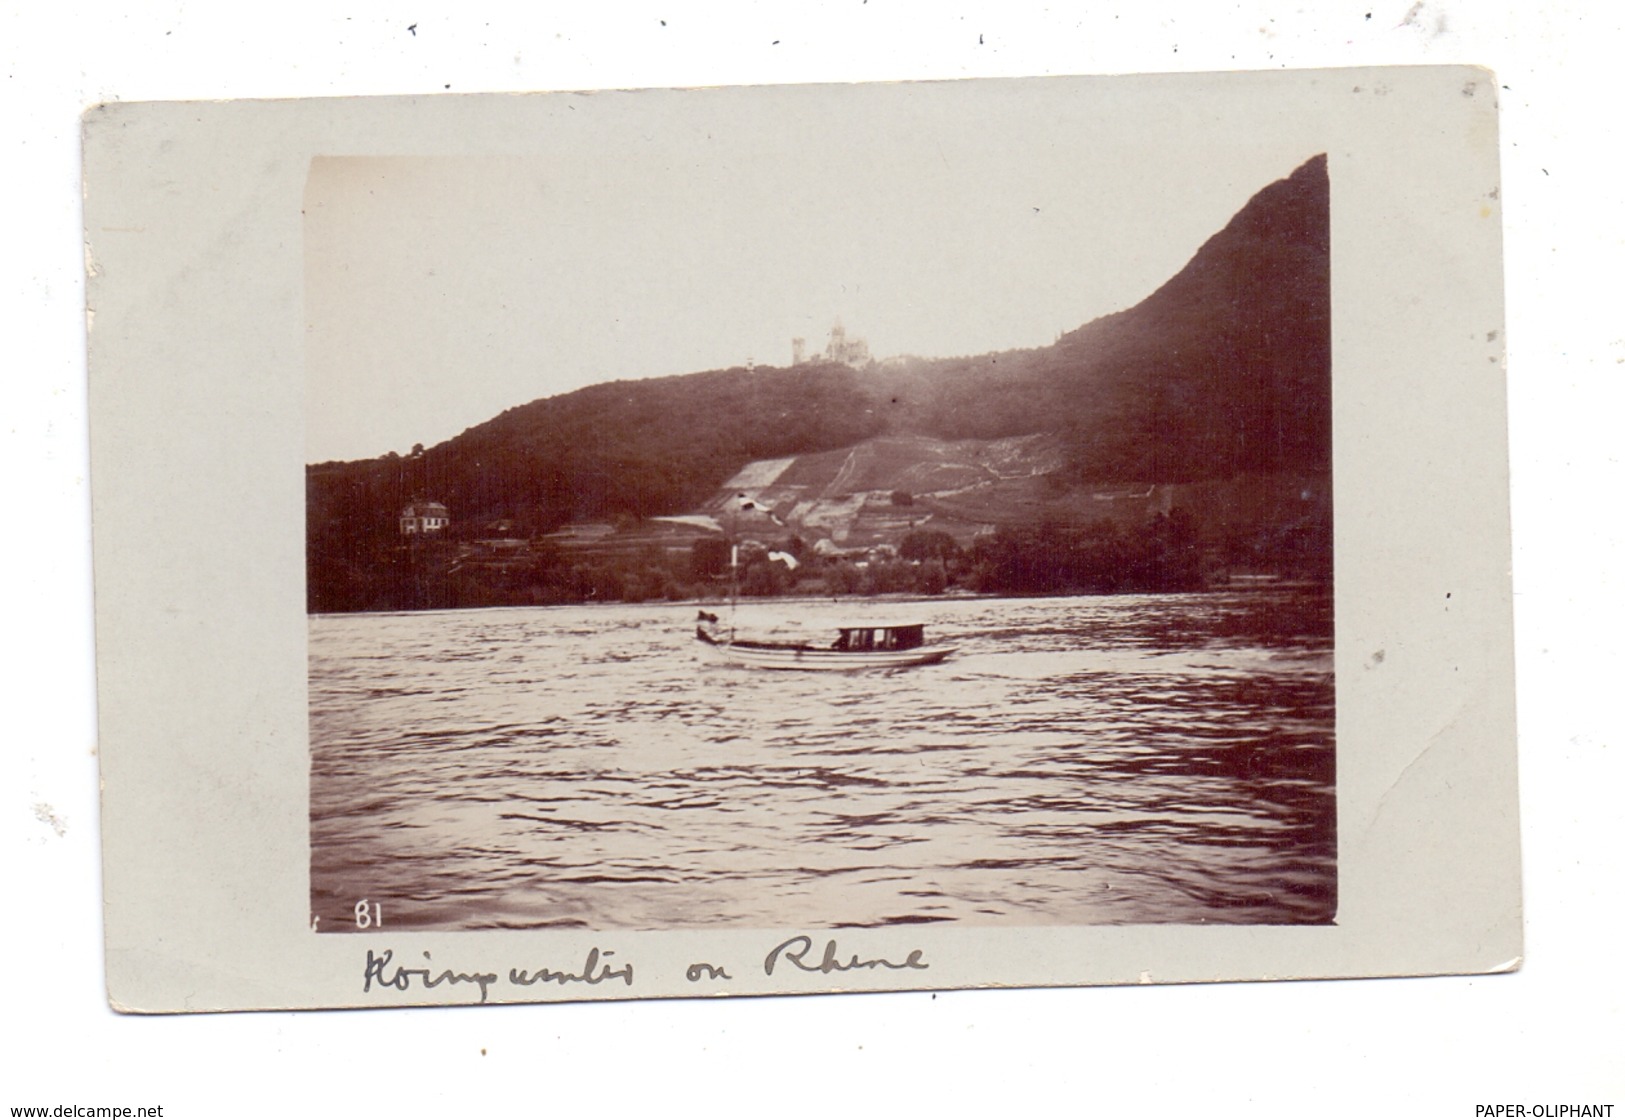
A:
{"x": 437, "y": 573}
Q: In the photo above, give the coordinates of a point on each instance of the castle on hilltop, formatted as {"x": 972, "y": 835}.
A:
{"x": 847, "y": 351}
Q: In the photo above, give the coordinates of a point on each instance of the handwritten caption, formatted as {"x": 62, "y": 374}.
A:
{"x": 798, "y": 954}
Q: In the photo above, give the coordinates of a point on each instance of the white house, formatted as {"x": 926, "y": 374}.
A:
{"x": 424, "y": 517}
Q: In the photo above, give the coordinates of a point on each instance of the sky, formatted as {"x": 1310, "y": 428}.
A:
{"x": 631, "y": 235}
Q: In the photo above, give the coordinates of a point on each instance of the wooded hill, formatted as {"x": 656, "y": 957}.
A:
{"x": 1223, "y": 371}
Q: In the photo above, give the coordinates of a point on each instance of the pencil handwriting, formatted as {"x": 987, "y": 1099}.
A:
{"x": 797, "y": 950}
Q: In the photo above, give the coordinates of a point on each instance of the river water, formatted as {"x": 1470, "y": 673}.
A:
{"x": 1109, "y": 759}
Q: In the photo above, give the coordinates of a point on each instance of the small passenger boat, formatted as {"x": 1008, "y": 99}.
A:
{"x": 854, "y": 647}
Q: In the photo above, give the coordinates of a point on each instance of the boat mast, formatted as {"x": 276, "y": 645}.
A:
{"x": 741, "y": 502}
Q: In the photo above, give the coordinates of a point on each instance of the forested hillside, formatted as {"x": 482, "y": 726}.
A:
{"x": 1223, "y": 371}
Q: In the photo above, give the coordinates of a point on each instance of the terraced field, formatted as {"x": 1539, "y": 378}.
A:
{"x": 879, "y": 490}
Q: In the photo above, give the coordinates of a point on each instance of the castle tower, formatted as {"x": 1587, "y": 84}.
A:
{"x": 798, "y": 351}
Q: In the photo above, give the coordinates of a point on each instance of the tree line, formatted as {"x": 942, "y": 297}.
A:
{"x": 1048, "y": 559}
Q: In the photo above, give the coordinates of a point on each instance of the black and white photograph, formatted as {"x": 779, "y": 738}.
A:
{"x": 852, "y": 558}
{"x": 858, "y": 511}
{"x": 798, "y": 539}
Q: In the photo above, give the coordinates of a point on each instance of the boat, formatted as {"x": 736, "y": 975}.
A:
{"x": 853, "y": 647}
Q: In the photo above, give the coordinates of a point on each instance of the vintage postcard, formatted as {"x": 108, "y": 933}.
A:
{"x": 801, "y": 539}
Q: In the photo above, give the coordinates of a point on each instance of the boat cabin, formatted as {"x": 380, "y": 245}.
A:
{"x": 881, "y": 637}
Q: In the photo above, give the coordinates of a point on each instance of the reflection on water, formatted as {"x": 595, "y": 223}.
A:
{"x": 1106, "y": 759}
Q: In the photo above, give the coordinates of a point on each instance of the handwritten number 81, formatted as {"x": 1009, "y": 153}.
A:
{"x": 368, "y": 914}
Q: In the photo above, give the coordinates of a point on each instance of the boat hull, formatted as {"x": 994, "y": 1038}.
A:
{"x": 807, "y": 658}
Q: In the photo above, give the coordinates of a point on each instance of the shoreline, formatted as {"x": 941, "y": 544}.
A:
{"x": 888, "y": 597}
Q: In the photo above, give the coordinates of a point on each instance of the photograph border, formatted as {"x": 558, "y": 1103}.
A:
{"x": 197, "y": 397}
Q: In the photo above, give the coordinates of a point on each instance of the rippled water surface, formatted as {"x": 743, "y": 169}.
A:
{"x": 1101, "y": 759}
